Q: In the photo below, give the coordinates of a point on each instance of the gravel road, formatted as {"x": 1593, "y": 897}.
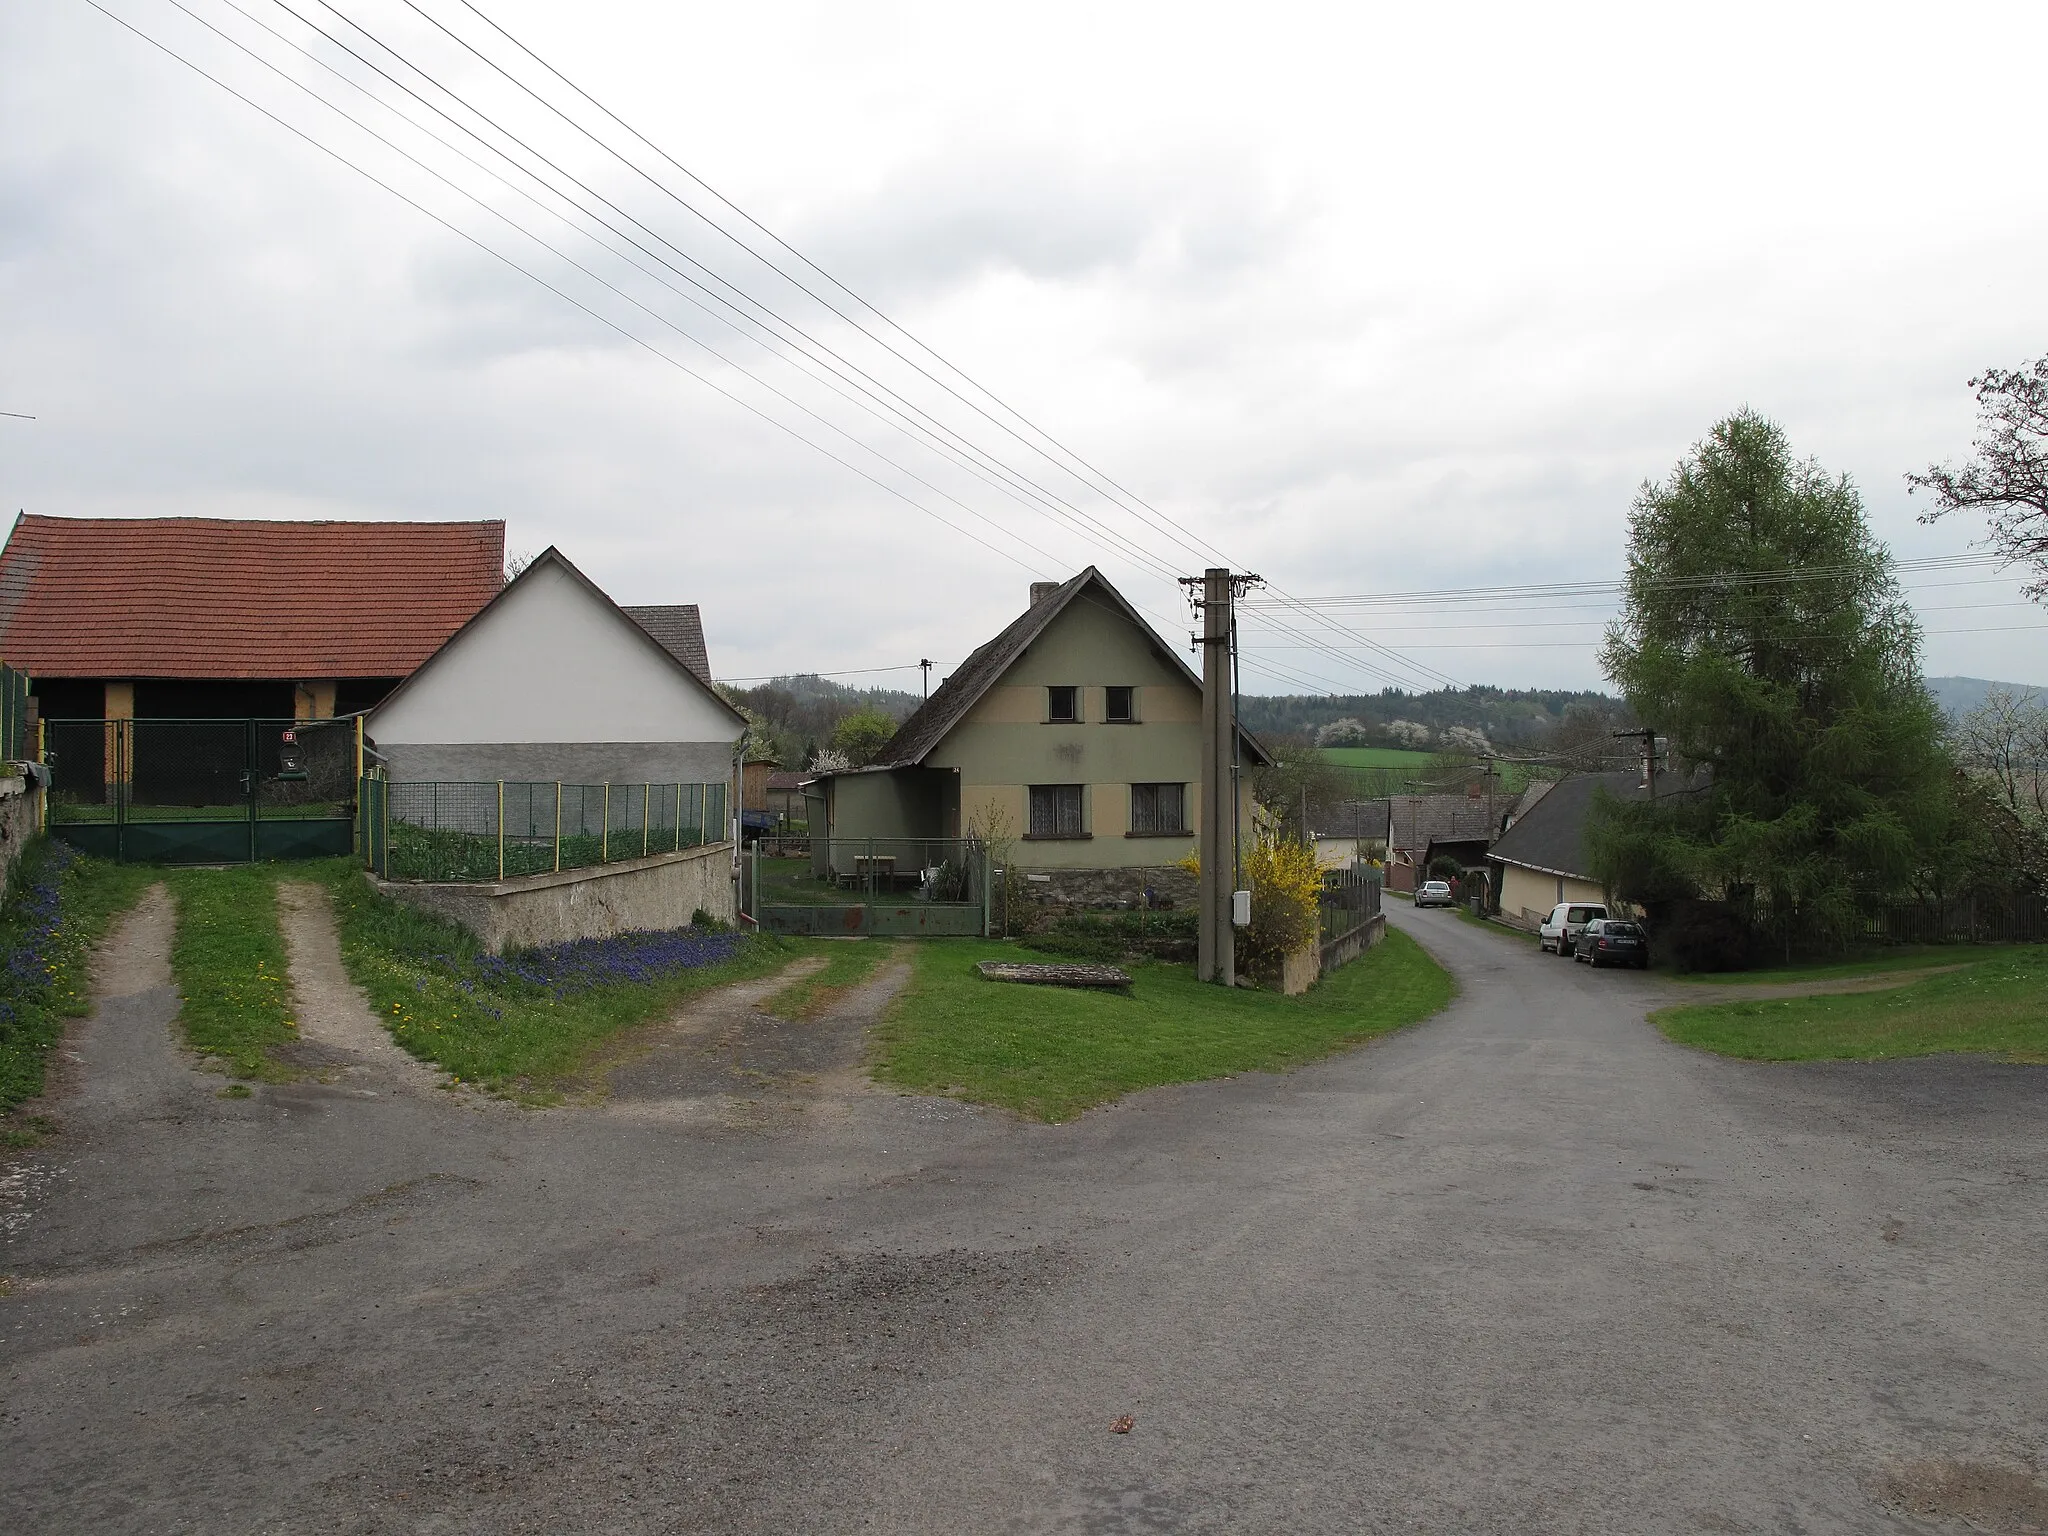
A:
{"x": 1526, "y": 1267}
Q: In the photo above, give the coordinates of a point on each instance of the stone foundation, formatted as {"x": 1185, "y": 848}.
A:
{"x": 1100, "y": 889}
{"x": 655, "y": 893}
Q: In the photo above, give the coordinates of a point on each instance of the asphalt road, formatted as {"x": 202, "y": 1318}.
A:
{"x": 1524, "y": 1268}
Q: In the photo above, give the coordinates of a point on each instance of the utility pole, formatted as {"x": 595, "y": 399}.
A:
{"x": 1648, "y": 737}
{"x": 1216, "y": 946}
{"x": 926, "y": 666}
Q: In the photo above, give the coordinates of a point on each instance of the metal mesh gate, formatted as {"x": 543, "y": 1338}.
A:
{"x": 203, "y": 791}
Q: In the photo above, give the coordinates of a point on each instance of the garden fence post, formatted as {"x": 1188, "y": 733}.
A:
{"x": 558, "y": 826}
{"x": 679, "y": 818}
{"x": 501, "y": 829}
{"x": 644, "y": 790}
{"x": 604, "y": 836}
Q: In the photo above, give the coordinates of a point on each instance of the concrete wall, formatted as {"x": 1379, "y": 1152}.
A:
{"x": 1526, "y": 896}
{"x": 559, "y": 762}
{"x": 656, "y": 893}
{"x": 549, "y": 662}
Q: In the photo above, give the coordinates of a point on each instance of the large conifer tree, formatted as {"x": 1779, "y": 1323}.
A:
{"x": 1765, "y": 634}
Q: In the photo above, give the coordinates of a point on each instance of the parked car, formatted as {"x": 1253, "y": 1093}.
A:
{"x": 1435, "y": 893}
{"x": 1567, "y": 920}
{"x": 1613, "y": 941}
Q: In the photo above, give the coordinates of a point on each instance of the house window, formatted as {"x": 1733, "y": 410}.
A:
{"x": 1159, "y": 808}
{"x": 1063, "y": 704}
{"x": 1119, "y": 705}
{"x": 1056, "y": 810}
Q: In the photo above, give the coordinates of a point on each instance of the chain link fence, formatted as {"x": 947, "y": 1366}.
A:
{"x": 499, "y": 830}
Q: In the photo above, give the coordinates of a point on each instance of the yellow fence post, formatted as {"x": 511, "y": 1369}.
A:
{"x": 501, "y": 829}
{"x": 558, "y": 826}
{"x": 43, "y": 756}
{"x": 359, "y": 749}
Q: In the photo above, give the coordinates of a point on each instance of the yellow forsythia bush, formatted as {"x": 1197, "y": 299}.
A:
{"x": 1286, "y": 888}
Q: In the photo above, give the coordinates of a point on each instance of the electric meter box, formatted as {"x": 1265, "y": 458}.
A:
{"x": 1240, "y": 909}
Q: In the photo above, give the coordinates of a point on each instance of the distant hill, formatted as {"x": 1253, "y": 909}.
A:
{"x": 802, "y": 709}
{"x": 1504, "y": 714}
{"x": 1960, "y": 695}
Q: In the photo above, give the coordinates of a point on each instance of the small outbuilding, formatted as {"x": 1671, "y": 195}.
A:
{"x": 553, "y": 682}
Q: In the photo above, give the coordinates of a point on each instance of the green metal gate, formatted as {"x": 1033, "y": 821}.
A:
{"x": 929, "y": 886}
{"x": 203, "y": 791}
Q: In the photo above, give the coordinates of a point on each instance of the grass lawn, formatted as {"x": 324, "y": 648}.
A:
{"x": 524, "y": 1025}
{"x": 1997, "y": 1005}
{"x": 1915, "y": 957}
{"x": 58, "y": 905}
{"x": 1050, "y": 1053}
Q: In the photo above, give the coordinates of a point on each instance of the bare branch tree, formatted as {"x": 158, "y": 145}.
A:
{"x": 2004, "y": 739}
{"x": 2008, "y": 479}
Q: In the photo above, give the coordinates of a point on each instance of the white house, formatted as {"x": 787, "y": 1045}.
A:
{"x": 553, "y": 682}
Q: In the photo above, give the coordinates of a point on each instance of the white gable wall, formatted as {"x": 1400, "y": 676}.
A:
{"x": 552, "y": 683}
{"x": 550, "y": 663}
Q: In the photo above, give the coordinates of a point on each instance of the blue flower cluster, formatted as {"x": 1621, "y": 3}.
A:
{"x": 35, "y": 914}
{"x": 560, "y": 969}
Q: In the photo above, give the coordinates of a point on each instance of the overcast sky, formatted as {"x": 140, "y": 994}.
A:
{"x": 1366, "y": 299}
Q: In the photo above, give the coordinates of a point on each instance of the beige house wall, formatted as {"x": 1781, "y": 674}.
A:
{"x": 1005, "y": 744}
{"x": 1526, "y": 894}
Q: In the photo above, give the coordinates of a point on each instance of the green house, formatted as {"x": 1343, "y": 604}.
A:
{"x": 1074, "y": 736}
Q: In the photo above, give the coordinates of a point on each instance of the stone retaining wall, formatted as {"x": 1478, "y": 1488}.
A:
{"x": 1096, "y": 889}
{"x": 21, "y": 815}
{"x": 656, "y": 893}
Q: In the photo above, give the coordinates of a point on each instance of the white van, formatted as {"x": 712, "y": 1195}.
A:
{"x": 1560, "y": 931}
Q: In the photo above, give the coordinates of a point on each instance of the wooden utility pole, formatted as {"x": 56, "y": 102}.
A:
{"x": 1216, "y": 939}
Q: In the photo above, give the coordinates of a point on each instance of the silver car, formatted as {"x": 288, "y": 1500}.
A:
{"x": 1435, "y": 893}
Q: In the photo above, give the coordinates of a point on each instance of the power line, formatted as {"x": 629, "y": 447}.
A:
{"x": 807, "y": 347}
{"x": 816, "y": 348}
{"x": 1590, "y": 588}
{"x": 603, "y": 320}
{"x": 1130, "y": 503}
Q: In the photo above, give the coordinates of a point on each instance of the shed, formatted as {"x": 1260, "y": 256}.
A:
{"x": 553, "y": 681}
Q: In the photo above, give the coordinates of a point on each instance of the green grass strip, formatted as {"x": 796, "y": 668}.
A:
{"x": 58, "y": 907}
{"x": 1050, "y": 1053}
{"x": 1917, "y": 957}
{"x": 1999, "y": 1006}
{"x": 419, "y": 972}
{"x": 848, "y": 963}
{"x": 228, "y": 960}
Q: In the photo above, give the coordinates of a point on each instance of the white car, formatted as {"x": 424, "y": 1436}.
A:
{"x": 1435, "y": 893}
{"x": 1560, "y": 931}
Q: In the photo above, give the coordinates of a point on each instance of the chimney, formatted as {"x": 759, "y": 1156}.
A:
{"x": 1041, "y": 590}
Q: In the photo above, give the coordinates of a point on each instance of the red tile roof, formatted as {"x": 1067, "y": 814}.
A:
{"x": 205, "y": 597}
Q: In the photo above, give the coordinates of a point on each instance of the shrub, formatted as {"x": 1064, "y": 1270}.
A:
{"x": 1705, "y": 936}
{"x": 1287, "y": 894}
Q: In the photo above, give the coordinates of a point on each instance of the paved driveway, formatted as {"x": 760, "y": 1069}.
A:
{"x": 1524, "y": 1268}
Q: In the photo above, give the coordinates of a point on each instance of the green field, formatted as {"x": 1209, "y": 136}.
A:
{"x": 1377, "y": 757}
{"x": 1380, "y": 771}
